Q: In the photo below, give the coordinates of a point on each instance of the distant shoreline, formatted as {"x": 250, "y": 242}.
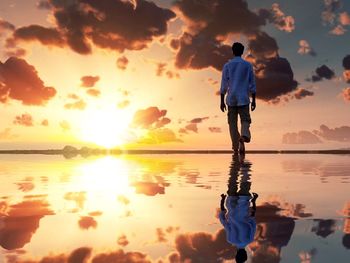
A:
{"x": 132, "y": 152}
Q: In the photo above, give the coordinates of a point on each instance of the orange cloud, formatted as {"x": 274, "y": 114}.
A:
{"x": 123, "y": 104}
{"x": 77, "y": 105}
{"x": 122, "y": 241}
{"x": 24, "y": 120}
{"x": 45, "y": 122}
{"x": 122, "y": 62}
{"x": 150, "y": 118}
{"x": 20, "y": 81}
{"x": 87, "y": 222}
{"x": 346, "y": 94}
{"x": 93, "y": 92}
{"x": 89, "y": 81}
{"x": 21, "y": 222}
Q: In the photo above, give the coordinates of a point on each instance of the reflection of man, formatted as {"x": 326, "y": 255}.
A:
{"x": 239, "y": 219}
{"x": 238, "y": 82}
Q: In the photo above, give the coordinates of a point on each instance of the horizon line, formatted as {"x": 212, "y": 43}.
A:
{"x": 103, "y": 151}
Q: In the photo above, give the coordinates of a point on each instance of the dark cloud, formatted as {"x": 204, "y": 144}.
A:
{"x": 193, "y": 125}
{"x": 151, "y": 117}
{"x": 302, "y": 93}
{"x": 202, "y": 247}
{"x": 44, "y": 4}
{"x": 324, "y": 227}
{"x": 199, "y": 120}
{"x": 346, "y": 94}
{"x": 108, "y": 24}
{"x": 121, "y": 257}
{"x": 301, "y": 137}
{"x": 21, "y": 222}
{"x": 24, "y": 120}
{"x": 323, "y": 72}
{"x": 122, "y": 241}
{"x": 20, "y": 81}
{"x": 46, "y": 36}
{"x": 339, "y": 134}
{"x": 329, "y": 11}
{"x": 5, "y": 25}
{"x": 346, "y": 65}
{"x": 215, "y": 129}
{"x": 86, "y": 222}
{"x": 122, "y": 62}
{"x": 209, "y": 23}
{"x": 89, "y": 81}
{"x": 93, "y": 92}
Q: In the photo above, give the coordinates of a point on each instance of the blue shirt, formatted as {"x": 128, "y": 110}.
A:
{"x": 237, "y": 81}
{"x": 239, "y": 226}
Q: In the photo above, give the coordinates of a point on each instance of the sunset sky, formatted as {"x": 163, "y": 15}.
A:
{"x": 145, "y": 74}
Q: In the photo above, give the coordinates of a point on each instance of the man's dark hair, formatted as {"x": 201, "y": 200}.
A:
{"x": 237, "y": 49}
{"x": 241, "y": 255}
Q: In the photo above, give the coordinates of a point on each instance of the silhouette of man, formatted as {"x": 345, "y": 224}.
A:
{"x": 239, "y": 219}
{"x": 237, "y": 82}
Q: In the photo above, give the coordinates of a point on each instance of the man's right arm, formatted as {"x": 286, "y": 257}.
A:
{"x": 223, "y": 89}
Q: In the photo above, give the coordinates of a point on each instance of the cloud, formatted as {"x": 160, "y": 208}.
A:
{"x": 93, "y": 92}
{"x": 6, "y": 134}
{"x": 122, "y": 62}
{"x": 162, "y": 69}
{"x": 21, "y": 222}
{"x": 89, "y": 81}
{"x": 24, "y": 120}
{"x": 339, "y": 134}
{"x": 158, "y": 136}
{"x": 123, "y": 199}
{"x": 329, "y": 12}
{"x": 65, "y": 126}
{"x": 215, "y": 129}
{"x": 306, "y": 49}
{"x": 276, "y": 16}
{"x": 324, "y": 227}
{"x": 302, "y": 93}
{"x": 149, "y": 188}
{"x": 110, "y": 24}
{"x": 78, "y": 197}
{"x": 46, "y": 36}
{"x": 346, "y": 65}
{"x": 301, "y": 137}
{"x": 122, "y": 241}
{"x": 338, "y": 30}
{"x": 86, "y": 222}
{"x": 346, "y": 94}
{"x": 323, "y": 72}
{"x": 344, "y": 19}
{"x": 123, "y": 104}
{"x": 121, "y": 256}
{"x": 77, "y": 105}
{"x": 202, "y": 247}
{"x": 20, "y": 81}
{"x": 193, "y": 125}
{"x": 6, "y": 26}
{"x": 45, "y": 122}
{"x": 150, "y": 118}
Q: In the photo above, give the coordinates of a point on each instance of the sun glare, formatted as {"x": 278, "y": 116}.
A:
{"x": 108, "y": 127}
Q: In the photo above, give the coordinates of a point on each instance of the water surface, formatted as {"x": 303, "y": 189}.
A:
{"x": 164, "y": 208}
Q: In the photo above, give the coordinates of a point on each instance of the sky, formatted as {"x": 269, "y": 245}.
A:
{"x": 146, "y": 74}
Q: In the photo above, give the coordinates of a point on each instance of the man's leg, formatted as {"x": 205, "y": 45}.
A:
{"x": 232, "y": 122}
{"x": 245, "y": 122}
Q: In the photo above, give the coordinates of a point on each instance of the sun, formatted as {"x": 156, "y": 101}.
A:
{"x": 107, "y": 127}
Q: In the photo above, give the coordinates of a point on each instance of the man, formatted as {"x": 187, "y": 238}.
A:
{"x": 237, "y": 82}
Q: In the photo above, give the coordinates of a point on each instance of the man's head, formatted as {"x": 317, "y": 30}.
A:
{"x": 241, "y": 255}
{"x": 237, "y": 49}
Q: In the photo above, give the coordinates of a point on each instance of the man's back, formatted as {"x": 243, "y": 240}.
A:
{"x": 237, "y": 81}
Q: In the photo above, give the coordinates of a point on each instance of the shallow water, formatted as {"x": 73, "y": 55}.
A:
{"x": 164, "y": 208}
